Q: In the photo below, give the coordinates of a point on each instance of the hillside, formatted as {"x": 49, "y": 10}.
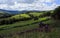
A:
{"x": 27, "y": 25}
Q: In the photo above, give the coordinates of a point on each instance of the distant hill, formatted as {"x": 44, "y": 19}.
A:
{"x": 4, "y": 14}
{"x": 18, "y": 12}
{"x": 12, "y": 12}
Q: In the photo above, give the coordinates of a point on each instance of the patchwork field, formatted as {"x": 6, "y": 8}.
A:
{"x": 27, "y": 26}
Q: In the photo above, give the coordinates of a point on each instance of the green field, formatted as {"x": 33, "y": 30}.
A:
{"x": 12, "y": 30}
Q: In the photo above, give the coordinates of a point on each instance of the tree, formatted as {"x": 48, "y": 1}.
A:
{"x": 56, "y": 14}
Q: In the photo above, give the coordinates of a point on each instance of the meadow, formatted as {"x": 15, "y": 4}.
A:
{"x": 16, "y": 25}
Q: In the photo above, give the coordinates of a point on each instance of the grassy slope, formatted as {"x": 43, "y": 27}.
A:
{"x": 21, "y": 24}
{"x": 36, "y": 34}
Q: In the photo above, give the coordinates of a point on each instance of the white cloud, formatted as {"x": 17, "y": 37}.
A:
{"x": 36, "y": 5}
{"x": 44, "y": 1}
{"x": 49, "y": 0}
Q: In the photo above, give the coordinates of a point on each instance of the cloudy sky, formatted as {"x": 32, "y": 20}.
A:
{"x": 29, "y": 4}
